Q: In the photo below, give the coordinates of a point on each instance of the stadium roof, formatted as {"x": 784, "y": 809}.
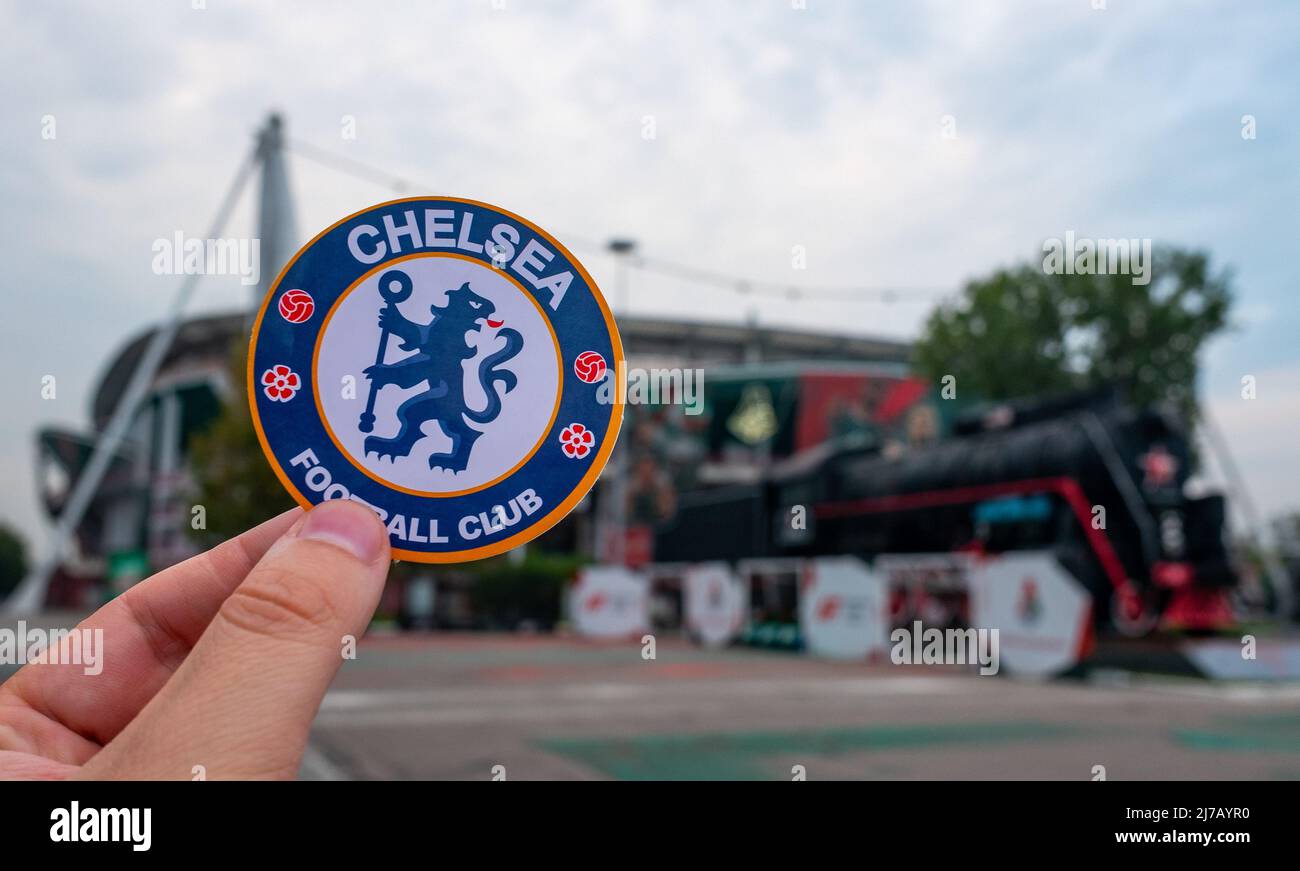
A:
{"x": 204, "y": 339}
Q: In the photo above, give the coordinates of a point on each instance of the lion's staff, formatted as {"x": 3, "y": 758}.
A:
{"x": 395, "y": 287}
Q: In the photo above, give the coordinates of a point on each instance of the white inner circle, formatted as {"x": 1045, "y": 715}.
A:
{"x": 351, "y": 341}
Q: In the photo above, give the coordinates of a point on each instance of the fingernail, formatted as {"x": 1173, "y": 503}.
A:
{"x": 347, "y": 525}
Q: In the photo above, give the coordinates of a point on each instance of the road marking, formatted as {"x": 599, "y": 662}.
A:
{"x": 1245, "y": 692}
{"x": 359, "y": 708}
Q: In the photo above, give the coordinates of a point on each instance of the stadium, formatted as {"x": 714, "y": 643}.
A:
{"x": 782, "y": 394}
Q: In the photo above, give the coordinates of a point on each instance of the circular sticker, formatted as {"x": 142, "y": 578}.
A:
{"x": 442, "y": 361}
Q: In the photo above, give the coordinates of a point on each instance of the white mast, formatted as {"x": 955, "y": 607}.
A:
{"x": 275, "y": 220}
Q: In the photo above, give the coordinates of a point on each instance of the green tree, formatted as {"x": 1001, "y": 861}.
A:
{"x": 13, "y": 560}
{"x": 234, "y": 480}
{"x": 1021, "y": 331}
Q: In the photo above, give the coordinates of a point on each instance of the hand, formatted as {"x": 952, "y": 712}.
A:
{"x": 220, "y": 661}
{"x": 391, "y": 319}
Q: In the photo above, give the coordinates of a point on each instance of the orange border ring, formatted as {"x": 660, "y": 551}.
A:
{"x": 556, "y": 514}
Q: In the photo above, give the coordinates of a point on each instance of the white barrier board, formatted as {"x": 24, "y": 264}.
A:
{"x": 609, "y": 602}
{"x": 716, "y": 603}
{"x": 1041, "y": 612}
{"x": 843, "y": 609}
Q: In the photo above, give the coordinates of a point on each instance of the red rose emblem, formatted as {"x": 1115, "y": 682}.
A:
{"x": 280, "y": 383}
{"x": 576, "y": 441}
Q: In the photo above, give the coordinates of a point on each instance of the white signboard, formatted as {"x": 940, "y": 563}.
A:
{"x": 1041, "y": 612}
{"x": 843, "y": 609}
{"x": 609, "y": 602}
{"x": 716, "y": 602}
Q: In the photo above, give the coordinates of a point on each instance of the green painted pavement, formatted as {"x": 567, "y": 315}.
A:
{"x": 1276, "y": 733}
{"x": 743, "y": 755}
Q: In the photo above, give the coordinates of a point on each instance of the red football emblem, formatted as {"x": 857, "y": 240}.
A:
{"x": 296, "y": 306}
{"x": 589, "y": 366}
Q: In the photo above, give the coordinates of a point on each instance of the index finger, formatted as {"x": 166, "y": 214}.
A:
{"x": 147, "y": 632}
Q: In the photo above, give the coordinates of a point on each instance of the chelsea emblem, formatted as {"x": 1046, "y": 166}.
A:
{"x": 441, "y": 361}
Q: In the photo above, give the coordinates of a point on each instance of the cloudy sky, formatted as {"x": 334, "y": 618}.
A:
{"x": 773, "y": 127}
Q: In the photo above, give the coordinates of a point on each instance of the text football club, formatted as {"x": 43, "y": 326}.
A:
{"x": 438, "y": 360}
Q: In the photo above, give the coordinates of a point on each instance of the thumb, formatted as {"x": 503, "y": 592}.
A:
{"x": 242, "y": 702}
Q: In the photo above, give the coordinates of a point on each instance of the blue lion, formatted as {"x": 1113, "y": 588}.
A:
{"x": 432, "y": 362}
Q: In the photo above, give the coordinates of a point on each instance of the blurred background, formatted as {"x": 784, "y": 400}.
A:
{"x": 870, "y": 234}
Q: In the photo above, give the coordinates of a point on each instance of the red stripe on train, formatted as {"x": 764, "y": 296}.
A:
{"x": 1067, "y": 488}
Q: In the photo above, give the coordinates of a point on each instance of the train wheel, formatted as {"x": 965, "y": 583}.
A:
{"x": 1131, "y": 613}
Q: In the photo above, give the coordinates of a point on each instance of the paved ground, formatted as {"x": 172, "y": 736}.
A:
{"x": 457, "y": 706}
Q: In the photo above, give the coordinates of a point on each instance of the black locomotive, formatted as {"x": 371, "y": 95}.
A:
{"x": 1089, "y": 477}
